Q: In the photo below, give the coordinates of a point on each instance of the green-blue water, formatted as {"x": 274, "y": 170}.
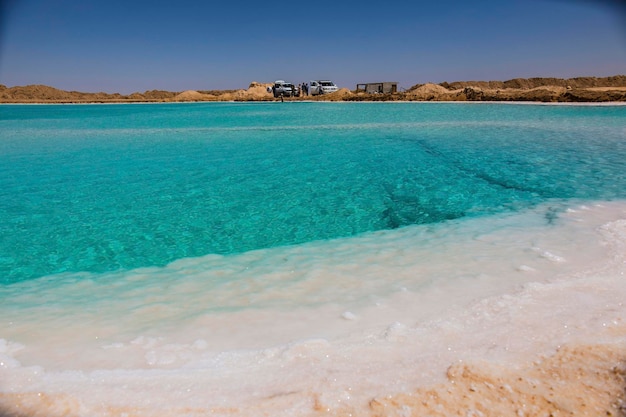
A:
{"x": 106, "y": 187}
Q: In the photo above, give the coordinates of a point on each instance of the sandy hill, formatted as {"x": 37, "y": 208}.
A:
{"x": 428, "y": 91}
{"x": 529, "y": 83}
{"x": 32, "y": 92}
{"x": 46, "y": 94}
{"x": 192, "y": 95}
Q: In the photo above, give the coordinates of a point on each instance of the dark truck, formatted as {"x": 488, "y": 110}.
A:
{"x": 285, "y": 89}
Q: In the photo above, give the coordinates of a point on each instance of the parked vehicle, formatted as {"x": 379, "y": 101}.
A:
{"x": 285, "y": 89}
{"x": 317, "y": 87}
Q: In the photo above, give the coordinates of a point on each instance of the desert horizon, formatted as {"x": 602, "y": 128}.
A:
{"x": 536, "y": 89}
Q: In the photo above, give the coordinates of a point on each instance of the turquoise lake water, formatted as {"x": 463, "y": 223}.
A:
{"x": 101, "y": 188}
{"x": 291, "y": 259}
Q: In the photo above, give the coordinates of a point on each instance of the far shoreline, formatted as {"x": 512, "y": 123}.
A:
{"x": 532, "y": 90}
{"x": 364, "y": 102}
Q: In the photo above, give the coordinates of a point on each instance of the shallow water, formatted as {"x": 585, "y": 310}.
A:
{"x": 100, "y": 188}
{"x": 221, "y": 255}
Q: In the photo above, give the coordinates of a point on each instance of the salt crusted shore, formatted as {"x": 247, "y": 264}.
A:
{"x": 572, "y": 90}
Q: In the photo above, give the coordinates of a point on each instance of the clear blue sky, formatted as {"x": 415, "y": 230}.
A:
{"x": 137, "y": 45}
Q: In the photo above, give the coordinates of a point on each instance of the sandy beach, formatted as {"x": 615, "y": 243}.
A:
{"x": 575, "y": 381}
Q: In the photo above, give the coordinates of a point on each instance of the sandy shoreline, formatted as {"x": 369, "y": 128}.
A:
{"x": 547, "y": 90}
{"x": 581, "y": 380}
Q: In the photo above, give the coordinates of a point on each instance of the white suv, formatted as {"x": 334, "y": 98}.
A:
{"x": 321, "y": 87}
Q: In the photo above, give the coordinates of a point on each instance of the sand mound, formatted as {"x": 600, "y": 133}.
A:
{"x": 585, "y": 381}
{"x": 158, "y": 95}
{"x": 429, "y": 89}
{"x": 338, "y": 95}
{"x": 428, "y": 92}
{"x": 192, "y": 95}
{"x": 257, "y": 91}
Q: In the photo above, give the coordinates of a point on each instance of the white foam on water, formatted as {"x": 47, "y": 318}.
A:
{"x": 326, "y": 325}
